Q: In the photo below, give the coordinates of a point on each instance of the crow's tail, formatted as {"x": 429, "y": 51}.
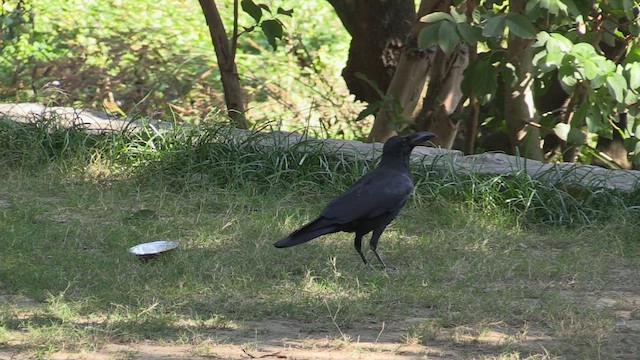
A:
{"x": 312, "y": 230}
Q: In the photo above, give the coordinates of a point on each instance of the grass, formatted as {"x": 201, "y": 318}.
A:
{"x": 474, "y": 256}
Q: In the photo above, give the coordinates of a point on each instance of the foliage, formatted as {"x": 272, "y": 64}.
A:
{"x": 151, "y": 59}
{"x": 591, "y": 48}
{"x": 89, "y": 64}
{"x": 273, "y": 29}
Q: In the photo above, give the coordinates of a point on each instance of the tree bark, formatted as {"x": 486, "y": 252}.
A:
{"x": 406, "y": 88}
{"x": 233, "y": 96}
{"x": 443, "y": 96}
{"x": 408, "y": 82}
{"x": 378, "y": 30}
{"x": 519, "y": 107}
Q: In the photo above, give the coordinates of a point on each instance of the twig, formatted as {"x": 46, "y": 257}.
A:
{"x": 333, "y": 319}
{"x": 380, "y": 333}
{"x": 275, "y": 354}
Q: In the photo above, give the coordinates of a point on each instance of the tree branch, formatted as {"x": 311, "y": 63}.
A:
{"x": 228, "y": 71}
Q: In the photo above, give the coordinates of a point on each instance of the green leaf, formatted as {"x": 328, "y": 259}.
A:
{"x": 371, "y": 109}
{"x": 458, "y": 17}
{"x": 631, "y": 98}
{"x": 539, "y": 59}
{"x": 273, "y": 30}
{"x": 558, "y": 43}
{"x": 541, "y": 39}
{"x": 533, "y": 10}
{"x": 596, "y": 121}
{"x": 571, "y": 135}
{"x": 562, "y": 131}
{"x": 552, "y": 6}
{"x": 634, "y": 29}
{"x": 285, "y": 12}
{"x": 520, "y": 25}
{"x": 598, "y": 82}
{"x": 428, "y": 36}
{"x": 617, "y": 86}
{"x": 629, "y": 8}
{"x": 576, "y": 137}
{"x": 571, "y": 8}
{"x": 634, "y": 75}
{"x": 636, "y": 154}
{"x": 591, "y": 118}
{"x": 481, "y": 79}
{"x": 252, "y": 9}
{"x": 567, "y": 75}
{"x": 494, "y": 27}
{"x": 448, "y": 37}
{"x": 476, "y": 15}
{"x": 584, "y": 49}
{"x": 470, "y": 34}
{"x": 605, "y": 65}
{"x": 633, "y": 54}
{"x": 590, "y": 68}
{"x": 434, "y": 17}
{"x": 553, "y": 60}
{"x": 609, "y": 38}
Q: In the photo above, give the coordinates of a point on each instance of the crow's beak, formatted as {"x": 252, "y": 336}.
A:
{"x": 420, "y": 137}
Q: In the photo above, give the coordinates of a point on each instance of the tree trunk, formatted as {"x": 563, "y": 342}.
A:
{"x": 406, "y": 88}
{"x": 378, "y": 30}
{"x": 443, "y": 96}
{"x": 519, "y": 107}
{"x": 226, "y": 63}
{"x": 408, "y": 81}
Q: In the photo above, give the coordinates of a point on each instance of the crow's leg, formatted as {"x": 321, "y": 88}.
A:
{"x": 358, "y": 245}
{"x": 374, "y": 244}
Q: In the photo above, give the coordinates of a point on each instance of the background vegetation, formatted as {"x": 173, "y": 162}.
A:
{"x": 545, "y": 79}
{"x": 160, "y": 63}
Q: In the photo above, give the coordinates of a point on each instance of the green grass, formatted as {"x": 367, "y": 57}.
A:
{"x": 472, "y": 255}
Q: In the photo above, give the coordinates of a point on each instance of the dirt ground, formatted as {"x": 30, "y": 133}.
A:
{"x": 287, "y": 340}
{"x": 284, "y": 339}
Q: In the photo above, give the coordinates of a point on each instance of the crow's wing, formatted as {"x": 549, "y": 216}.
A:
{"x": 378, "y": 192}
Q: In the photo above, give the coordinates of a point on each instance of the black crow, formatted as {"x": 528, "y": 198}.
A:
{"x": 371, "y": 203}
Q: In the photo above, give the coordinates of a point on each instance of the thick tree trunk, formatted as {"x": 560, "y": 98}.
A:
{"x": 226, "y": 63}
{"x": 407, "y": 85}
{"x": 406, "y": 88}
{"x": 443, "y": 96}
{"x": 519, "y": 107}
{"x": 378, "y": 30}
